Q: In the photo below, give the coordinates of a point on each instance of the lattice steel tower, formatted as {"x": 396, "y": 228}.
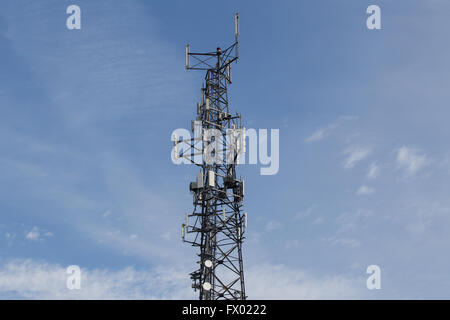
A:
{"x": 216, "y": 224}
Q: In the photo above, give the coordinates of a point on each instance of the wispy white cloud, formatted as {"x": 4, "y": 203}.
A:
{"x": 428, "y": 220}
{"x": 29, "y": 279}
{"x": 320, "y": 133}
{"x": 273, "y": 225}
{"x": 373, "y": 171}
{"x": 282, "y": 282}
{"x": 344, "y": 241}
{"x": 126, "y": 202}
{"x": 324, "y": 132}
{"x": 365, "y": 190}
{"x": 35, "y": 234}
{"x": 304, "y": 214}
{"x": 134, "y": 75}
{"x": 351, "y": 221}
{"x": 106, "y": 214}
{"x": 411, "y": 160}
{"x": 122, "y": 59}
{"x": 355, "y": 155}
{"x": 291, "y": 244}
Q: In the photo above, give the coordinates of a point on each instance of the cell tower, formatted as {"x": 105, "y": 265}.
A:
{"x": 216, "y": 224}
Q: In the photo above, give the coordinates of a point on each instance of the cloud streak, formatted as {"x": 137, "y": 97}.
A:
{"x": 365, "y": 190}
{"x": 94, "y": 89}
{"x": 324, "y": 132}
{"x": 373, "y": 171}
{"x": 28, "y": 279}
{"x": 411, "y": 160}
{"x": 355, "y": 155}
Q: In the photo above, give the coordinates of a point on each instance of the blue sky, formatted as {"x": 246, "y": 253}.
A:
{"x": 86, "y": 118}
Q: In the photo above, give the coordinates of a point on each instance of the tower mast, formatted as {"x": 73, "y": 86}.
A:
{"x": 216, "y": 225}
